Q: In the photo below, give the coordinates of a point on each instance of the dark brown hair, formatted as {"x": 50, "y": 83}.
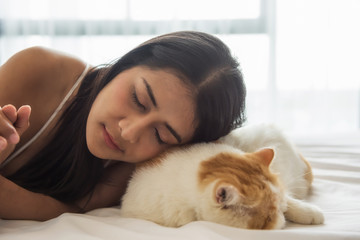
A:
{"x": 67, "y": 171}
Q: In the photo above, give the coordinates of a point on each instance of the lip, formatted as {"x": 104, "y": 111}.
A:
{"x": 109, "y": 140}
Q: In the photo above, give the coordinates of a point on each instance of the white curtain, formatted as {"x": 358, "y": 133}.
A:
{"x": 318, "y": 62}
{"x": 100, "y": 30}
{"x": 300, "y": 58}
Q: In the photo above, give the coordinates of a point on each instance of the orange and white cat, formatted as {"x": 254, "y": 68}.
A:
{"x": 251, "y": 178}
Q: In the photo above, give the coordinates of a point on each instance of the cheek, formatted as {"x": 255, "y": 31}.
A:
{"x": 121, "y": 99}
{"x": 115, "y": 96}
{"x": 147, "y": 151}
{"x": 91, "y": 142}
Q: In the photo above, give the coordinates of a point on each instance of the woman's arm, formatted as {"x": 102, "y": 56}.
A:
{"x": 19, "y": 203}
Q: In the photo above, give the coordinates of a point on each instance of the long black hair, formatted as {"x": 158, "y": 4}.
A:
{"x": 67, "y": 171}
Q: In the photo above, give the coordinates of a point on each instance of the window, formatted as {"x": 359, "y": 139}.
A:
{"x": 317, "y": 73}
{"x": 299, "y": 57}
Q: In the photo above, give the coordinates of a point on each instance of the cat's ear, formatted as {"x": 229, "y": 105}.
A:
{"x": 266, "y": 155}
{"x": 227, "y": 195}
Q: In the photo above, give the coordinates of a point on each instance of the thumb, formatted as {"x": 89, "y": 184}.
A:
{"x": 23, "y": 115}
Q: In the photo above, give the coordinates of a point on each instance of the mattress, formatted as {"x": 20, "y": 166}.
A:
{"x": 336, "y": 190}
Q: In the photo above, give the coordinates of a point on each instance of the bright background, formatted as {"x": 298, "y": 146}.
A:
{"x": 300, "y": 58}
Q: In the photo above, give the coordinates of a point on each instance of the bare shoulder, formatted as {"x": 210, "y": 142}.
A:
{"x": 41, "y": 78}
{"x": 37, "y": 71}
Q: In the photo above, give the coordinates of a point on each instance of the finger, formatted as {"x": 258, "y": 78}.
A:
{"x": 23, "y": 116}
{"x": 10, "y": 112}
{"x": 7, "y": 130}
{"x": 3, "y": 143}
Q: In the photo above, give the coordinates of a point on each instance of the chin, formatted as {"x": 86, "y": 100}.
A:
{"x": 94, "y": 149}
{"x": 95, "y": 153}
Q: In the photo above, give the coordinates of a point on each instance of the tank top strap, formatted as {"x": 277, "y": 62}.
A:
{"x": 57, "y": 110}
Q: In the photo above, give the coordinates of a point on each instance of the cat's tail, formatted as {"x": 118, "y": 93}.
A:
{"x": 308, "y": 175}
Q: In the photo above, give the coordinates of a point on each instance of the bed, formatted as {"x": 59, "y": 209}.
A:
{"x": 336, "y": 164}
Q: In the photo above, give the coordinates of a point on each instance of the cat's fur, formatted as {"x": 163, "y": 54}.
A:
{"x": 227, "y": 182}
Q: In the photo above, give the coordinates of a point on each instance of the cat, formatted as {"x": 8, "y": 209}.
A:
{"x": 252, "y": 178}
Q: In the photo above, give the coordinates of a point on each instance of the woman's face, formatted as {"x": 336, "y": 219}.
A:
{"x": 140, "y": 113}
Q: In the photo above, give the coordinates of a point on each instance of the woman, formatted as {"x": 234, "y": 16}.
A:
{"x": 81, "y": 146}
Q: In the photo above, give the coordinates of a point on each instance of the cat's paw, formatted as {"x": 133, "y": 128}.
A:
{"x": 307, "y": 215}
{"x": 303, "y": 213}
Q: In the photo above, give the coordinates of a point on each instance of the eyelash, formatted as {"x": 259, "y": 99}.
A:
{"x": 137, "y": 102}
{"x": 158, "y": 138}
{"x": 143, "y": 108}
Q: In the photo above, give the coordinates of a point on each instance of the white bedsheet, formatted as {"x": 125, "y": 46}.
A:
{"x": 336, "y": 189}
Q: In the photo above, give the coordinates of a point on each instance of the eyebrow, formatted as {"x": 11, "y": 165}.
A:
{"x": 174, "y": 133}
{"x": 153, "y": 100}
{"x": 150, "y": 92}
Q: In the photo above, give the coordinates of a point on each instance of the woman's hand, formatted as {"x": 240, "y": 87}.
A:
{"x": 15, "y": 201}
{"x": 13, "y": 123}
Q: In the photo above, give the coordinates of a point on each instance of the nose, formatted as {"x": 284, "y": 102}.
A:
{"x": 131, "y": 130}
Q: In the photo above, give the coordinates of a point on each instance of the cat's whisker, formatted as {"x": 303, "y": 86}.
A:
{"x": 302, "y": 175}
{"x": 298, "y": 187}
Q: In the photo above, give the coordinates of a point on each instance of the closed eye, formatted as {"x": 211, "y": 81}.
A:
{"x": 158, "y": 138}
{"x": 135, "y": 99}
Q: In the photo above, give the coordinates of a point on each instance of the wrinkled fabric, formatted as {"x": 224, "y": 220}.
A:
{"x": 336, "y": 190}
